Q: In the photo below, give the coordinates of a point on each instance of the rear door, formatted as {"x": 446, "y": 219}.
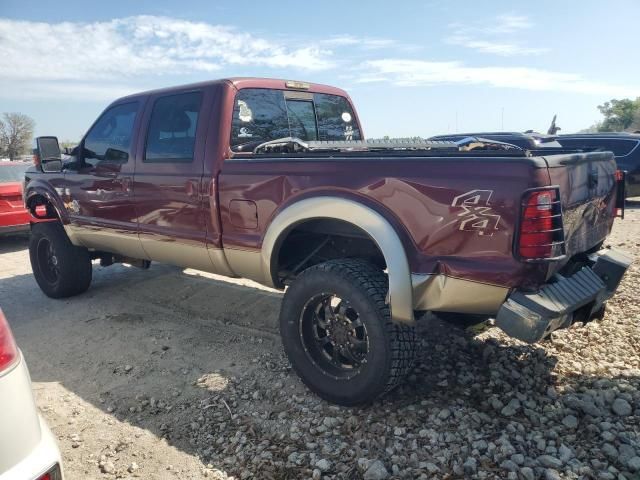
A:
{"x": 168, "y": 179}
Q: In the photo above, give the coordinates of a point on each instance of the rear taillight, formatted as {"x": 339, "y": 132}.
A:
{"x": 53, "y": 474}
{"x": 541, "y": 235}
{"x": 8, "y": 348}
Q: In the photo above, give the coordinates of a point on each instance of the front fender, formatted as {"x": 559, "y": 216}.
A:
{"x": 37, "y": 187}
{"x": 372, "y": 222}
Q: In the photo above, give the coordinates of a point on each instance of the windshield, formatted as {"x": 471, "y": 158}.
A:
{"x": 13, "y": 172}
{"x": 260, "y": 115}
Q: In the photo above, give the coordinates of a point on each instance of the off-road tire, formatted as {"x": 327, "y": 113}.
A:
{"x": 73, "y": 263}
{"x": 391, "y": 348}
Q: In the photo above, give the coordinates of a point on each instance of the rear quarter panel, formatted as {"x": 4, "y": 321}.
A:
{"x": 455, "y": 216}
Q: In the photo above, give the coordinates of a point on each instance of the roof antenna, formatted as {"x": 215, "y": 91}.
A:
{"x": 553, "y": 128}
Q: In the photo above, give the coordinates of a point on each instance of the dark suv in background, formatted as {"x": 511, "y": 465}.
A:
{"x": 625, "y": 147}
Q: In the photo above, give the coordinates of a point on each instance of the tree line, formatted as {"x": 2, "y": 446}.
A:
{"x": 619, "y": 116}
{"x": 16, "y": 135}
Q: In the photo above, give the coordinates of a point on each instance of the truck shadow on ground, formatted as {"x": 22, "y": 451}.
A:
{"x": 14, "y": 242}
{"x": 183, "y": 357}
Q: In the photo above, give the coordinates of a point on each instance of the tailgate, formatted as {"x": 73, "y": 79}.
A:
{"x": 588, "y": 195}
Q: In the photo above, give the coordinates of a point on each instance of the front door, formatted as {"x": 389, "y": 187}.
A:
{"x": 99, "y": 196}
{"x": 168, "y": 181}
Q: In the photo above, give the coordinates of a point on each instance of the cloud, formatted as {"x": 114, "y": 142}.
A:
{"x": 408, "y": 72}
{"x": 367, "y": 43}
{"x": 20, "y": 90}
{"x": 482, "y": 36}
{"x": 497, "y": 48}
{"x": 141, "y": 45}
{"x": 509, "y": 23}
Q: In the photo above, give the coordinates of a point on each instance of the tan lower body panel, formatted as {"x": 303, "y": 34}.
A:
{"x": 108, "y": 240}
{"x": 449, "y": 294}
{"x": 198, "y": 257}
{"x": 247, "y": 264}
{"x": 178, "y": 254}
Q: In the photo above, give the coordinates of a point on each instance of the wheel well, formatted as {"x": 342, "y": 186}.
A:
{"x": 39, "y": 200}
{"x": 318, "y": 240}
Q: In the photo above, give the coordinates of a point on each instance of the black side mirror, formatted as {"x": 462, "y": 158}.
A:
{"x": 48, "y": 151}
{"x": 115, "y": 156}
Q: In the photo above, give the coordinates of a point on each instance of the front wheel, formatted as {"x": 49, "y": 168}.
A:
{"x": 337, "y": 332}
{"x": 60, "y": 268}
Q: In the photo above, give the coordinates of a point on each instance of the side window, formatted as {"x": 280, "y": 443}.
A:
{"x": 109, "y": 140}
{"x": 336, "y": 120}
{"x": 259, "y": 115}
{"x": 172, "y": 129}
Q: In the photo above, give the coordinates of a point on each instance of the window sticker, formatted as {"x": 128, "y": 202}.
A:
{"x": 346, "y": 117}
{"x": 244, "y": 133}
{"x": 245, "y": 114}
{"x": 348, "y": 132}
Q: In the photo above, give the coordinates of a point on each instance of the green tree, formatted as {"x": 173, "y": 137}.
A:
{"x": 619, "y": 115}
{"x": 16, "y": 133}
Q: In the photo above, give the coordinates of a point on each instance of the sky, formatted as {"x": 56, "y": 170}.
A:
{"x": 412, "y": 68}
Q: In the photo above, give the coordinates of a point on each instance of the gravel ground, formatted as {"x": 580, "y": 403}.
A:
{"x": 171, "y": 374}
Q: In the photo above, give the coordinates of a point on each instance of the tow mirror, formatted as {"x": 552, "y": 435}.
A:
{"x": 48, "y": 152}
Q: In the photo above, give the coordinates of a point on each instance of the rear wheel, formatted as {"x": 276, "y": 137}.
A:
{"x": 60, "y": 268}
{"x": 337, "y": 332}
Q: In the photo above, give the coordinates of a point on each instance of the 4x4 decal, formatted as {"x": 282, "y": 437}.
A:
{"x": 476, "y": 214}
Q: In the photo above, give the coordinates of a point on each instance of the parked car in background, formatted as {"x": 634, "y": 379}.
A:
{"x": 28, "y": 450}
{"x": 14, "y": 217}
{"x": 625, "y": 147}
{"x": 529, "y": 140}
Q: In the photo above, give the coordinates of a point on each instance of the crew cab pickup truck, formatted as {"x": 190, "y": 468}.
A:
{"x": 271, "y": 180}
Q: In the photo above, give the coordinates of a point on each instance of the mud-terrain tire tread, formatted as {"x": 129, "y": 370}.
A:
{"x": 74, "y": 262}
{"x": 403, "y": 339}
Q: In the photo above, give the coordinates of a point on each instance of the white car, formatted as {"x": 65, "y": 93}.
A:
{"x": 28, "y": 450}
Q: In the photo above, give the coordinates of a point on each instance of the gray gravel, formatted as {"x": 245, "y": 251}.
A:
{"x": 482, "y": 406}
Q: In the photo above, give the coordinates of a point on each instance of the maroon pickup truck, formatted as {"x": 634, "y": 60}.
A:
{"x": 271, "y": 180}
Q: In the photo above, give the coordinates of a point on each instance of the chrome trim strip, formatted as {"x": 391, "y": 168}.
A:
{"x": 438, "y": 292}
{"x": 378, "y": 228}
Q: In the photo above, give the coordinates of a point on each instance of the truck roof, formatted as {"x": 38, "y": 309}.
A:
{"x": 246, "y": 82}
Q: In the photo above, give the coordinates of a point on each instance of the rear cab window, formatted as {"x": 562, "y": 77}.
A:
{"x": 260, "y": 115}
